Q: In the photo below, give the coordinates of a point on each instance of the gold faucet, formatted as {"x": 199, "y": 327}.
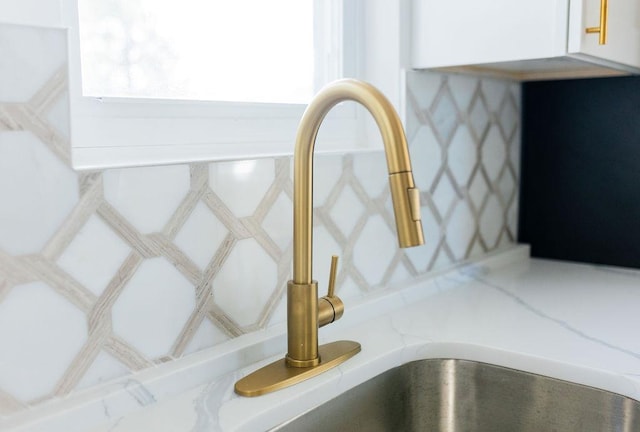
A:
{"x": 305, "y": 312}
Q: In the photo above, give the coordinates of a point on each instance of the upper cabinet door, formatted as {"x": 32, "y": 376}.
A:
{"x": 527, "y": 39}
{"x": 459, "y": 32}
{"x": 615, "y": 32}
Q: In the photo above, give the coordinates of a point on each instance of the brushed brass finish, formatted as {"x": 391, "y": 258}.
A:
{"x": 604, "y": 19}
{"x": 406, "y": 206}
{"x": 414, "y": 201}
{"x": 305, "y": 312}
{"x": 396, "y": 149}
{"x": 302, "y": 324}
{"x": 333, "y": 271}
{"x": 330, "y": 309}
{"x": 279, "y": 375}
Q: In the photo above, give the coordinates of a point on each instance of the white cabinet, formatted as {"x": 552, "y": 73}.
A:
{"x": 527, "y": 39}
{"x": 622, "y": 22}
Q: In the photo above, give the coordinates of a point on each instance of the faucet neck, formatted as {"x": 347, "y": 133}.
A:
{"x": 395, "y": 146}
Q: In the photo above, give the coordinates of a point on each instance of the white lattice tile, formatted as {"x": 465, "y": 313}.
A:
{"x": 479, "y": 117}
{"x": 245, "y": 282}
{"x": 104, "y": 368}
{"x": 460, "y": 229}
{"x": 37, "y": 192}
{"x": 374, "y": 250}
{"x": 444, "y": 115}
{"x": 462, "y": 89}
{"x": 153, "y": 307}
{"x": 476, "y": 250}
{"x": 347, "y": 210}
{"x": 424, "y": 86}
{"x": 444, "y": 195}
{"x": 491, "y": 221}
{"x": 29, "y": 57}
{"x": 241, "y": 184}
{"x": 516, "y": 94}
{"x": 426, "y": 158}
{"x": 201, "y": 235}
{"x": 442, "y": 261}
{"x": 58, "y": 115}
{"x": 507, "y": 186}
{"x": 512, "y": 218}
{"x": 207, "y": 336}
{"x": 508, "y": 117}
{"x": 514, "y": 153}
{"x": 94, "y": 255}
{"x": 478, "y": 190}
{"x": 279, "y": 313}
{"x": 349, "y": 292}
{"x": 493, "y": 92}
{"x": 40, "y": 334}
{"x": 493, "y": 153}
{"x": 371, "y": 171}
{"x": 147, "y": 197}
{"x": 504, "y": 240}
{"x": 414, "y": 117}
{"x": 400, "y": 274}
{"x": 388, "y": 204}
{"x": 279, "y": 221}
{"x": 327, "y": 170}
{"x": 463, "y": 155}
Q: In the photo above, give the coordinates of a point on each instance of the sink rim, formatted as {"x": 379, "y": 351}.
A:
{"x": 465, "y": 366}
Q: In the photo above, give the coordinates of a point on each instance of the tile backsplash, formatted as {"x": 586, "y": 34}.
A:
{"x": 106, "y": 273}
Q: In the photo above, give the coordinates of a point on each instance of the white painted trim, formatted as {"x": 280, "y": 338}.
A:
{"x": 33, "y": 13}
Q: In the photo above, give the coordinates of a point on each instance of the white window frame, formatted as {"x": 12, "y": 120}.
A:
{"x": 122, "y": 132}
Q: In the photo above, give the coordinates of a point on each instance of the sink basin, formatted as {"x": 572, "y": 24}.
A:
{"x": 459, "y": 395}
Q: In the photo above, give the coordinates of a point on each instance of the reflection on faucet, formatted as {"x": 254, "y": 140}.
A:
{"x": 305, "y": 313}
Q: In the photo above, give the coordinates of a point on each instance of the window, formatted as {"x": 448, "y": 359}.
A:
{"x": 240, "y": 50}
{"x": 152, "y": 89}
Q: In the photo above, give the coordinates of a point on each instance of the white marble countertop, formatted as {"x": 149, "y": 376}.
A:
{"x": 569, "y": 321}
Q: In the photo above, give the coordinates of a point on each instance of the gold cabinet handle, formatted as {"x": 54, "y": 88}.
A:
{"x": 604, "y": 11}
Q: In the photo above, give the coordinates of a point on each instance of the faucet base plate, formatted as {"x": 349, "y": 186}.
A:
{"x": 278, "y": 375}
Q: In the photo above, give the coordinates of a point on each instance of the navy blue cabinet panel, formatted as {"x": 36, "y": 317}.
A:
{"x": 580, "y": 186}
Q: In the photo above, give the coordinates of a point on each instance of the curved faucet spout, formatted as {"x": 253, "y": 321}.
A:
{"x": 305, "y": 313}
{"x": 405, "y": 196}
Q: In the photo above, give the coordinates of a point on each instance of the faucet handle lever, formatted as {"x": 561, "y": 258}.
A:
{"x": 332, "y": 275}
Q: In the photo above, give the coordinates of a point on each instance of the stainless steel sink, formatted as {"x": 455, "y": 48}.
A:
{"x": 459, "y": 395}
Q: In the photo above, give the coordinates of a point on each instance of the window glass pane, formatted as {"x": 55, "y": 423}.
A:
{"x": 224, "y": 50}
